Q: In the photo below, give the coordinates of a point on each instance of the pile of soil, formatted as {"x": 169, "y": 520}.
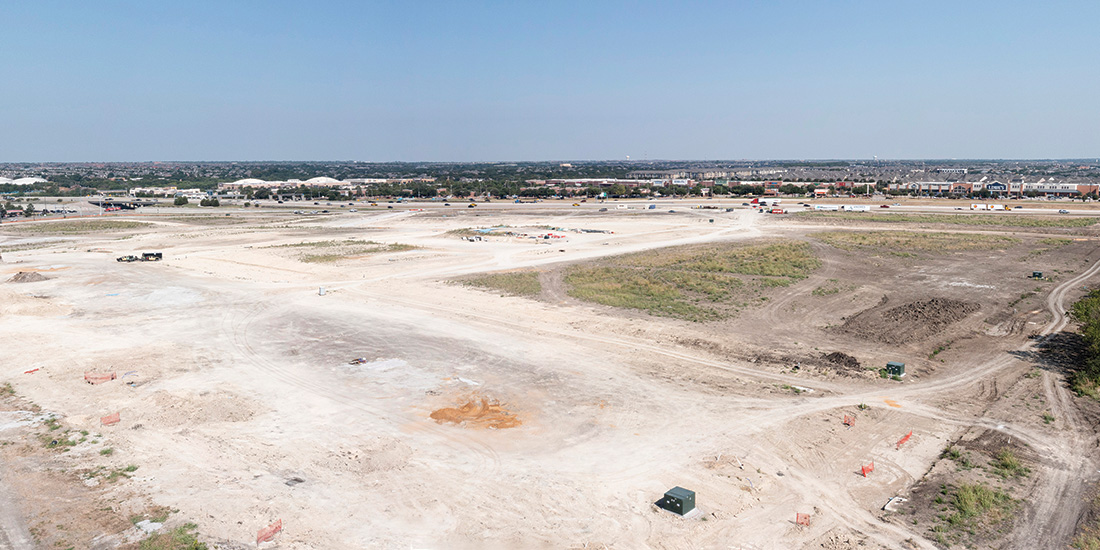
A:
{"x": 911, "y": 322}
{"x": 28, "y": 277}
{"x": 477, "y": 413}
{"x": 842, "y": 360}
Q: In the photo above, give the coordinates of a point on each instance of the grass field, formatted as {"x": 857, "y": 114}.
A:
{"x": 913, "y": 241}
{"x": 519, "y": 283}
{"x": 696, "y": 283}
{"x": 27, "y": 246}
{"x": 74, "y": 227}
{"x": 971, "y": 509}
{"x": 315, "y": 252}
{"x": 213, "y": 220}
{"x": 983, "y": 219}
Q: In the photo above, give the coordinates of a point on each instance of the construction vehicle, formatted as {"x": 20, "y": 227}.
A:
{"x": 145, "y": 257}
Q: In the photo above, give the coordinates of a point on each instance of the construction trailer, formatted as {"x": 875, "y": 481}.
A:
{"x": 678, "y": 500}
{"x": 894, "y": 368}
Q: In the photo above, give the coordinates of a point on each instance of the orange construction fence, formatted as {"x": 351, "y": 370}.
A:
{"x": 802, "y": 519}
{"x": 111, "y": 419}
{"x": 268, "y": 533}
{"x": 99, "y": 378}
{"x": 904, "y": 439}
{"x": 32, "y": 371}
{"x": 868, "y": 468}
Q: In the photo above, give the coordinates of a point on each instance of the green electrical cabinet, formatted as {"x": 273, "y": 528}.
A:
{"x": 678, "y": 501}
{"x": 894, "y": 368}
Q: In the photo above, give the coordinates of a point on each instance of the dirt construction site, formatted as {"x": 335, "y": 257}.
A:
{"x": 539, "y": 375}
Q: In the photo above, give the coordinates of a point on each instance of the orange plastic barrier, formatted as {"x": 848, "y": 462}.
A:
{"x": 32, "y": 371}
{"x": 111, "y": 419}
{"x": 904, "y": 439}
{"x": 802, "y": 519}
{"x": 849, "y": 421}
{"x": 99, "y": 378}
{"x": 268, "y": 533}
{"x": 868, "y": 468}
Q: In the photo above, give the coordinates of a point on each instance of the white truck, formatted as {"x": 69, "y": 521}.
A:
{"x": 855, "y": 208}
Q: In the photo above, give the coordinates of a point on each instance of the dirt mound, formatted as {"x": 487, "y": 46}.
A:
{"x": 842, "y": 360}
{"x": 911, "y": 322}
{"x": 477, "y": 413}
{"x": 28, "y": 277}
{"x": 189, "y": 409}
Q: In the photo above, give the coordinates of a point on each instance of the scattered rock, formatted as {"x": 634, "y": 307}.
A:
{"x": 148, "y": 526}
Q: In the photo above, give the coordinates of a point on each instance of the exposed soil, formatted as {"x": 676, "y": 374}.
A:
{"x": 477, "y": 413}
{"x": 842, "y": 360}
{"x": 242, "y": 374}
{"x": 911, "y": 322}
{"x": 28, "y": 277}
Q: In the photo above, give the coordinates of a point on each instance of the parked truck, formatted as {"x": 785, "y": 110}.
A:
{"x": 145, "y": 257}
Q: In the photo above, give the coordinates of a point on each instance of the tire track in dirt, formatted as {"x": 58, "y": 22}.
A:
{"x": 487, "y": 461}
{"x": 13, "y": 534}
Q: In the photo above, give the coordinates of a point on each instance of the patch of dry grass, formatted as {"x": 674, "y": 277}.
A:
{"x": 913, "y": 241}
{"x": 518, "y": 283}
{"x": 74, "y": 227}
{"x": 696, "y": 283}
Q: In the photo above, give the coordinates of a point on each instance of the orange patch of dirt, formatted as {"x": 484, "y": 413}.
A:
{"x": 478, "y": 413}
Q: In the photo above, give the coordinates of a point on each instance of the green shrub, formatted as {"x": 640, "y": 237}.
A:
{"x": 1005, "y": 464}
{"x": 180, "y": 538}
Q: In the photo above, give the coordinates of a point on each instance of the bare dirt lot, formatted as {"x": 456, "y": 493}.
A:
{"x": 357, "y": 377}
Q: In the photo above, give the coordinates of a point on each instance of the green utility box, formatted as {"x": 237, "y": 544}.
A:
{"x": 894, "y": 368}
{"x": 678, "y": 501}
{"x": 1036, "y": 274}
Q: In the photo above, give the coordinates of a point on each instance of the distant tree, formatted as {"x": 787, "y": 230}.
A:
{"x": 180, "y": 201}
{"x": 28, "y": 210}
{"x": 262, "y": 193}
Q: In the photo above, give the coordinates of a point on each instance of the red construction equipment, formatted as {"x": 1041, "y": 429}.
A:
{"x": 802, "y": 519}
{"x": 268, "y": 533}
{"x": 849, "y": 421}
{"x": 904, "y": 439}
{"x": 868, "y": 468}
{"x": 111, "y": 419}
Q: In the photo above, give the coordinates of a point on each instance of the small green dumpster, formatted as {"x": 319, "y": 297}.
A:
{"x": 678, "y": 500}
{"x": 894, "y": 368}
{"x": 1036, "y": 274}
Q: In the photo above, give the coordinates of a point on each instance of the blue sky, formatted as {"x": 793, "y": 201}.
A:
{"x": 456, "y": 81}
